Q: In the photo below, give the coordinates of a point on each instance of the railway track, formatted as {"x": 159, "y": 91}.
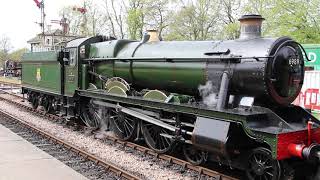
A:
{"x": 202, "y": 171}
{"x": 64, "y": 151}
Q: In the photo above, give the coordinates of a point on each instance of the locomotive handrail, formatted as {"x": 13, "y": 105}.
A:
{"x": 101, "y": 77}
{"x": 197, "y": 59}
{"x": 291, "y": 41}
{"x": 165, "y": 59}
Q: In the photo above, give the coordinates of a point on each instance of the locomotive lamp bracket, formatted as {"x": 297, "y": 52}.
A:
{"x": 65, "y": 61}
{"x": 246, "y": 102}
{"x": 63, "y": 57}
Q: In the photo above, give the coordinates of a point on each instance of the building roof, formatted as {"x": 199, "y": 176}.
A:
{"x": 34, "y": 40}
{"x": 54, "y": 32}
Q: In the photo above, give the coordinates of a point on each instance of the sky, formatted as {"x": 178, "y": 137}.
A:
{"x": 18, "y": 18}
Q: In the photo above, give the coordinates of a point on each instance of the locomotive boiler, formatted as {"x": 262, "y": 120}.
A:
{"x": 223, "y": 101}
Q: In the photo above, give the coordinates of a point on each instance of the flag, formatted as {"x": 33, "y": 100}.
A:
{"x": 81, "y": 10}
{"x": 37, "y": 3}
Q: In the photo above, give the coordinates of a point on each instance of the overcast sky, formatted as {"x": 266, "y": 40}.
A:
{"x": 18, "y": 18}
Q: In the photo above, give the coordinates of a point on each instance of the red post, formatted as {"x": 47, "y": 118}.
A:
{"x": 309, "y": 132}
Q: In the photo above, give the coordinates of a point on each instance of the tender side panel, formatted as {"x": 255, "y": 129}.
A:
{"x": 42, "y": 71}
{"x": 40, "y": 56}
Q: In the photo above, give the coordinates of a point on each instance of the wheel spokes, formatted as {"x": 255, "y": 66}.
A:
{"x": 193, "y": 155}
{"x": 156, "y": 138}
{"x": 91, "y": 115}
{"x": 262, "y": 166}
{"x": 124, "y": 125}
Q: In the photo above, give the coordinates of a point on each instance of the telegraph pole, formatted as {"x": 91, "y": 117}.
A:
{"x": 43, "y": 15}
{"x": 40, "y": 5}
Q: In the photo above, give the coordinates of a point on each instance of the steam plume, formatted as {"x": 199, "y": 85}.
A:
{"x": 209, "y": 97}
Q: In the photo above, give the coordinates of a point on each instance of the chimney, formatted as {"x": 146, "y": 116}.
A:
{"x": 250, "y": 26}
{"x": 154, "y": 35}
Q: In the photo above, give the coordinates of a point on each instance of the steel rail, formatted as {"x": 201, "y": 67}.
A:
{"x": 15, "y": 84}
{"x": 199, "y": 169}
{"x": 108, "y": 166}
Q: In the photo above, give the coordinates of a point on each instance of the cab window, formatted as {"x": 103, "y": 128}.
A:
{"x": 73, "y": 56}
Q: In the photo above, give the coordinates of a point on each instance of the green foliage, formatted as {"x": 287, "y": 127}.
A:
{"x": 201, "y": 19}
{"x": 135, "y": 22}
{"x": 17, "y": 54}
{"x": 75, "y": 20}
{"x": 298, "y": 19}
{"x": 195, "y": 21}
{"x": 87, "y": 24}
{"x": 230, "y": 31}
{"x": 3, "y": 57}
{"x": 294, "y": 20}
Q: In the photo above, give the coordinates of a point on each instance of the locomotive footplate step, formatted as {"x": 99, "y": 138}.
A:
{"x": 20, "y": 159}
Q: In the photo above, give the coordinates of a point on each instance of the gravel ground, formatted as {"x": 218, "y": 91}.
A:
{"x": 85, "y": 167}
{"x": 141, "y": 165}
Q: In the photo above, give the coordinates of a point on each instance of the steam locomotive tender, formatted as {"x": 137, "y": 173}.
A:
{"x": 224, "y": 101}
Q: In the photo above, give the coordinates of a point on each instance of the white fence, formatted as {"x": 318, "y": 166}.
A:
{"x": 309, "y": 96}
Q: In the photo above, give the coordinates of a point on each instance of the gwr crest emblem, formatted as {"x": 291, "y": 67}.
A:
{"x": 38, "y": 75}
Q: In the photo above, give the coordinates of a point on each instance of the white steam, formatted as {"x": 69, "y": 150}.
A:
{"x": 104, "y": 125}
{"x": 209, "y": 97}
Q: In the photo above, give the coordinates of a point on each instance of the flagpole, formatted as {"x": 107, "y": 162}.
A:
{"x": 42, "y": 19}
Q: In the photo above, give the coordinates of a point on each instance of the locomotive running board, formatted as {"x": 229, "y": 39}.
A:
{"x": 233, "y": 115}
{"x": 141, "y": 116}
{"x": 229, "y": 115}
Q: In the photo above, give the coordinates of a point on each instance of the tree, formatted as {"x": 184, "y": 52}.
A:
{"x": 5, "y": 44}
{"x": 263, "y": 8}
{"x": 296, "y": 18}
{"x": 17, "y": 54}
{"x": 94, "y": 18}
{"x": 5, "y": 47}
{"x": 88, "y": 23}
{"x": 74, "y": 19}
{"x": 114, "y": 15}
{"x": 135, "y": 18}
{"x": 195, "y": 20}
{"x": 157, "y": 15}
{"x": 229, "y": 14}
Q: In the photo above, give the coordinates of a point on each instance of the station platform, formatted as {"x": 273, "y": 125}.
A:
{"x": 19, "y": 159}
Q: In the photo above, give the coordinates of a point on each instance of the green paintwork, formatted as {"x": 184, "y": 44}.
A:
{"x": 227, "y": 114}
{"x": 107, "y": 49}
{"x": 316, "y": 114}
{"x": 271, "y": 140}
{"x": 179, "y": 77}
{"x": 41, "y": 70}
{"x": 40, "y": 56}
{"x": 313, "y": 52}
{"x": 173, "y": 77}
{"x": 84, "y": 76}
{"x": 71, "y": 75}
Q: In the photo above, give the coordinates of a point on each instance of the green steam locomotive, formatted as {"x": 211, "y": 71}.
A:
{"x": 222, "y": 101}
